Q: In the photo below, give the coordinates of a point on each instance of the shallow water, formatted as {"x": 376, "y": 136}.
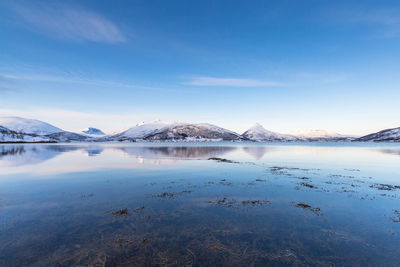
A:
{"x": 170, "y": 204}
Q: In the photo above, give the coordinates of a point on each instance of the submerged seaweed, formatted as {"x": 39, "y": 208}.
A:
{"x": 121, "y": 212}
{"x": 386, "y": 187}
{"x": 223, "y": 160}
{"x": 232, "y": 202}
{"x": 316, "y": 211}
{"x": 172, "y": 194}
{"x": 304, "y": 184}
{"x": 396, "y": 217}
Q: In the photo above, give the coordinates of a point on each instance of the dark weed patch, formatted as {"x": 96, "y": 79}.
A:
{"x": 121, "y": 212}
{"x": 172, "y": 194}
{"x": 316, "y": 211}
{"x": 396, "y": 217}
{"x": 386, "y": 187}
{"x": 223, "y": 160}
{"x": 304, "y": 184}
{"x": 232, "y": 202}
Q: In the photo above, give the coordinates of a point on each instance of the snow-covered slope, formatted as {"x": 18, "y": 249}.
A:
{"x": 258, "y": 133}
{"x": 94, "y": 132}
{"x": 28, "y": 126}
{"x": 7, "y": 135}
{"x": 388, "y": 135}
{"x": 166, "y": 131}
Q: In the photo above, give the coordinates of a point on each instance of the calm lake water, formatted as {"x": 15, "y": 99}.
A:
{"x": 170, "y": 204}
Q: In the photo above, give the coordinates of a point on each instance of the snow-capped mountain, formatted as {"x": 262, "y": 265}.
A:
{"x": 166, "y": 131}
{"x": 321, "y": 135}
{"x": 28, "y": 126}
{"x": 93, "y": 132}
{"x": 195, "y": 132}
{"x": 16, "y": 129}
{"x": 258, "y": 133}
{"x": 388, "y": 135}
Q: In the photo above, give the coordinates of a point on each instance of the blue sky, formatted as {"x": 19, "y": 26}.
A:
{"x": 288, "y": 65}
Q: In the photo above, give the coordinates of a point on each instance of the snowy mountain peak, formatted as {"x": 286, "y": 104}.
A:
{"x": 29, "y": 126}
{"x": 158, "y": 121}
{"x": 94, "y": 131}
{"x": 258, "y": 133}
{"x": 143, "y": 129}
{"x": 258, "y": 129}
{"x": 257, "y": 126}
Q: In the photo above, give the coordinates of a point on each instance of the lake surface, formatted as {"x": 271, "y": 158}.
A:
{"x": 218, "y": 204}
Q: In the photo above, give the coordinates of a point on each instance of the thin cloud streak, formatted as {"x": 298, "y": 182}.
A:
{"x": 72, "y": 23}
{"x": 77, "y": 80}
{"x": 384, "y": 21}
{"x": 6, "y": 84}
{"x": 231, "y": 82}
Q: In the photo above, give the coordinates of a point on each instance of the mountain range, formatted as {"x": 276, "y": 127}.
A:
{"x": 16, "y": 129}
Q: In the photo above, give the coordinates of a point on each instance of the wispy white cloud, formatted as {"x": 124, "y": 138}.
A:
{"x": 385, "y": 22}
{"x": 72, "y": 79}
{"x": 232, "y": 82}
{"x": 72, "y": 23}
{"x": 6, "y": 84}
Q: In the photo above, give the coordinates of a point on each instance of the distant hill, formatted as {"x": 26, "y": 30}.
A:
{"x": 388, "y": 135}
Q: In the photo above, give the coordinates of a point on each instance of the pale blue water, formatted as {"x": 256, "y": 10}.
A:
{"x": 274, "y": 204}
